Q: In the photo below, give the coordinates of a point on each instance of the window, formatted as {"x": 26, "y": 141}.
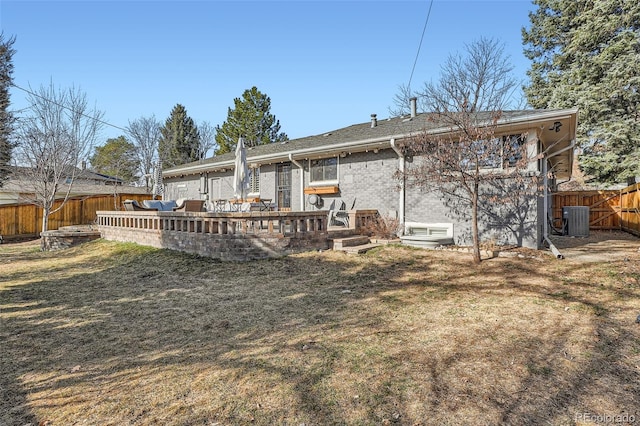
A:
{"x": 513, "y": 147}
{"x": 487, "y": 153}
{"x": 497, "y": 152}
{"x": 325, "y": 169}
{"x": 254, "y": 180}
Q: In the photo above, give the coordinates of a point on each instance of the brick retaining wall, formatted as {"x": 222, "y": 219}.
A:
{"x": 223, "y": 236}
{"x": 227, "y": 247}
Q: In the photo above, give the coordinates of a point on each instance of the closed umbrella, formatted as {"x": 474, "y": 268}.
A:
{"x": 158, "y": 186}
{"x": 241, "y": 175}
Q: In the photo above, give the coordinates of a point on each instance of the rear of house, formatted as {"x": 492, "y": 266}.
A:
{"x": 360, "y": 164}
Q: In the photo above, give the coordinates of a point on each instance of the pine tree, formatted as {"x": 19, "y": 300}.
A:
{"x": 179, "y": 141}
{"x": 6, "y": 117}
{"x": 250, "y": 119}
{"x": 586, "y": 54}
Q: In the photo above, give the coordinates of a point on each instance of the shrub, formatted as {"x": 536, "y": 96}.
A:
{"x": 384, "y": 227}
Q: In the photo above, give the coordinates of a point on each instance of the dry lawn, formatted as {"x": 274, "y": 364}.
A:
{"x": 119, "y": 334}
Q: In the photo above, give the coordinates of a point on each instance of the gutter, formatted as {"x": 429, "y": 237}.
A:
{"x": 302, "y": 204}
{"x": 545, "y": 228}
{"x": 380, "y": 142}
{"x": 401, "y": 202}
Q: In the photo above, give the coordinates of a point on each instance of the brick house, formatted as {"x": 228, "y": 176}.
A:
{"x": 357, "y": 165}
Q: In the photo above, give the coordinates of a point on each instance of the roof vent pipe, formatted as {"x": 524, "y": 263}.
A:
{"x": 413, "y": 106}
{"x": 374, "y": 120}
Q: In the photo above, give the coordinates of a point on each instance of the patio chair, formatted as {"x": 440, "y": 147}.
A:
{"x": 338, "y": 215}
{"x": 160, "y": 205}
{"x": 132, "y": 206}
{"x": 190, "y": 206}
{"x": 218, "y": 205}
{"x": 341, "y": 216}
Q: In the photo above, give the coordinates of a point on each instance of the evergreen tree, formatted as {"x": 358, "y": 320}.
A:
{"x": 116, "y": 158}
{"x": 251, "y": 119}
{"x": 6, "y": 117}
{"x": 586, "y": 53}
{"x": 179, "y": 141}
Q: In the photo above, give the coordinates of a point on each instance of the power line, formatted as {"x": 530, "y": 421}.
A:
{"x": 420, "y": 45}
{"x": 66, "y": 107}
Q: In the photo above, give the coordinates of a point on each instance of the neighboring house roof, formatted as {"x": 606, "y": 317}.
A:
{"x": 98, "y": 177}
{"x": 15, "y": 191}
{"x": 21, "y": 186}
{"x": 87, "y": 183}
{"x": 22, "y": 173}
{"x": 366, "y": 136}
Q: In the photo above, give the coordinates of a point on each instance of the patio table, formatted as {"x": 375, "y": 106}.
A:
{"x": 265, "y": 205}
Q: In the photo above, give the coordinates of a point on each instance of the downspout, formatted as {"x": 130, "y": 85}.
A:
{"x": 545, "y": 180}
{"x": 301, "y": 180}
{"x": 402, "y": 186}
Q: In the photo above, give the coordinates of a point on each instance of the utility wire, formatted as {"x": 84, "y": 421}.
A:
{"x": 66, "y": 107}
{"x": 420, "y": 45}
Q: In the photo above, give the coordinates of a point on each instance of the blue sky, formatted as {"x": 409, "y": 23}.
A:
{"x": 324, "y": 64}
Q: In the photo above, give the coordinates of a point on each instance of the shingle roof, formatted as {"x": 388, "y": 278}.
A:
{"x": 20, "y": 172}
{"x": 402, "y": 126}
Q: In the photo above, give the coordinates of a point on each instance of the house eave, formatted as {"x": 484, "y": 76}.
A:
{"x": 299, "y": 154}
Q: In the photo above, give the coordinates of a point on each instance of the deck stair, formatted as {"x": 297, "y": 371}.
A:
{"x": 354, "y": 245}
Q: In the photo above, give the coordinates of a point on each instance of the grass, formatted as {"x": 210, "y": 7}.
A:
{"x": 118, "y": 334}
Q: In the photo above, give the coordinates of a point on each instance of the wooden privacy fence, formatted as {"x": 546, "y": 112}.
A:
{"x": 604, "y": 207}
{"x": 25, "y": 220}
{"x": 630, "y": 209}
{"x": 608, "y": 210}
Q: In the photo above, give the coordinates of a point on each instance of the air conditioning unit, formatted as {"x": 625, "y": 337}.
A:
{"x": 576, "y": 221}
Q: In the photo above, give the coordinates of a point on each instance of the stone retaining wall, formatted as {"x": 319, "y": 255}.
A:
{"x": 67, "y": 236}
{"x": 226, "y": 247}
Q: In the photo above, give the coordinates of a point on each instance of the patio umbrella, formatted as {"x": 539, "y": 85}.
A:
{"x": 158, "y": 186}
{"x": 241, "y": 175}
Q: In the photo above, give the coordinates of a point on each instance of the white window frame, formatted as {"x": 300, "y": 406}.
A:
{"x": 500, "y": 162}
{"x": 254, "y": 181}
{"x": 324, "y": 181}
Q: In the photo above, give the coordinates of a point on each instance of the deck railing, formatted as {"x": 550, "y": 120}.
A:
{"x": 283, "y": 223}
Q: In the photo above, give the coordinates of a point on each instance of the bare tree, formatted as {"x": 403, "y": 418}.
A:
{"x": 207, "y": 139}
{"x": 145, "y": 133}
{"x": 469, "y": 163}
{"x": 401, "y": 101}
{"x": 55, "y": 136}
{"x": 479, "y": 81}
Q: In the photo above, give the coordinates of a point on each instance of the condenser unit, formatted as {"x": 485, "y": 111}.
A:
{"x": 576, "y": 221}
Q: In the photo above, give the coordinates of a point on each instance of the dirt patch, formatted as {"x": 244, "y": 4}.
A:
{"x": 599, "y": 246}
